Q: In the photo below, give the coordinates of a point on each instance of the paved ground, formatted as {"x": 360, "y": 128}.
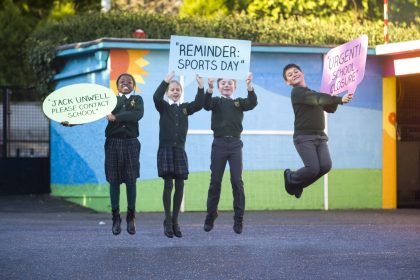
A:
{"x": 47, "y": 238}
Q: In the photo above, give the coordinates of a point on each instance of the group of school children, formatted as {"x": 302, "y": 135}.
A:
{"x": 122, "y": 147}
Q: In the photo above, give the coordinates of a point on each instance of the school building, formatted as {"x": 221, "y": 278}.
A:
{"x": 374, "y": 140}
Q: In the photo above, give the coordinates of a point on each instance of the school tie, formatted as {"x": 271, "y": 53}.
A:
{"x": 124, "y": 99}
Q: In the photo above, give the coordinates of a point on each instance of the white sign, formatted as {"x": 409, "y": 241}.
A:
{"x": 79, "y": 103}
{"x": 210, "y": 57}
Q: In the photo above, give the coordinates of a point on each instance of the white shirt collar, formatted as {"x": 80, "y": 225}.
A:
{"x": 230, "y": 97}
{"x": 170, "y": 101}
{"x": 126, "y": 95}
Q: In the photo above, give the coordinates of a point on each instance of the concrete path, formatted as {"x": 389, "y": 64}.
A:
{"x": 47, "y": 238}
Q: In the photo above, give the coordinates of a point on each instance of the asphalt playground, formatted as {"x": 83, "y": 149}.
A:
{"x": 42, "y": 237}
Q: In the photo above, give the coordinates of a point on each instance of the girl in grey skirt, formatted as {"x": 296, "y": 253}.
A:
{"x": 172, "y": 161}
{"x": 122, "y": 150}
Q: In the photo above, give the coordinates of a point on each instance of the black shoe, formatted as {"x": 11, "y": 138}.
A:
{"x": 177, "y": 230}
{"x": 287, "y": 186}
{"x": 116, "y": 222}
{"x": 131, "y": 221}
{"x": 237, "y": 227}
{"x": 167, "y": 229}
{"x": 298, "y": 192}
{"x": 209, "y": 222}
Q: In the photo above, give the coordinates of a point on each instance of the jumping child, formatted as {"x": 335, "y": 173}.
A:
{"x": 122, "y": 150}
{"x": 309, "y": 137}
{"x": 172, "y": 160}
{"x": 226, "y": 123}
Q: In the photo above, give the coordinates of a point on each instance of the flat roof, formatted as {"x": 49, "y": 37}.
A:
{"x": 163, "y": 44}
{"x": 398, "y": 48}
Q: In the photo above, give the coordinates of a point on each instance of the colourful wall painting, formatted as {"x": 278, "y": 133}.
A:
{"x": 77, "y": 156}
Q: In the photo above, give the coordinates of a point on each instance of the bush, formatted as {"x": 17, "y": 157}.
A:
{"x": 296, "y": 31}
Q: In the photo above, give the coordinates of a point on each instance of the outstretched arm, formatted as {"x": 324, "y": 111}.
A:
{"x": 303, "y": 95}
{"x": 347, "y": 97}
{"x": 208, "y": 101}
{"x": 197, "y": 104}
{"x": 132, "y": 115}
{"x": 160, "y": 91}
{"x": 331, "y": 108}
{"x": 67, "y": 124}
{"x": 250, "y": 102}
{"x": 248, "y": 81}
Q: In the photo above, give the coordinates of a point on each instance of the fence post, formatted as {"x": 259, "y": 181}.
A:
{"x": 4, "y": 144}
{"x": 6, "y": 91}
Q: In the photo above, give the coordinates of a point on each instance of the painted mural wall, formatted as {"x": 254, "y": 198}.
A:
{"x": 355, "y": 131}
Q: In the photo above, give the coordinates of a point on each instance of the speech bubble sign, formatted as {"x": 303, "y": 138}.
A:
{"x": 79, "y": 103}
{"x": 209, "y": 57}
{"x": 344, "y": 67}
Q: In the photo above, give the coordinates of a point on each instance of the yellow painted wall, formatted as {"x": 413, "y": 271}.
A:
{"x": 389, "y": 145}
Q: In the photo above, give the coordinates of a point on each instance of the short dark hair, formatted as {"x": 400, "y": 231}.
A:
{"x": 287, "y": 67}
{"x": 128, "y": 75}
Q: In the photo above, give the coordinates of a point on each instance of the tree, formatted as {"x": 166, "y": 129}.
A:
{"x": 18, "y": 20}
{"x": 212, "y": 8}
{"x": 277, "y": 9}
{"x": 153, "y": 6}
{"x": 399, "y": 10}
{"x": 16, "y": 28}
{"x": 404, "y": 11}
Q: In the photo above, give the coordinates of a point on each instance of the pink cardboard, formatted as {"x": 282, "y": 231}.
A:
{"x": 344, "y": 67}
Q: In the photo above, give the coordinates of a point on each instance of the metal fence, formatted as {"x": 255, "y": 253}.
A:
{"x": 25, "y": 129}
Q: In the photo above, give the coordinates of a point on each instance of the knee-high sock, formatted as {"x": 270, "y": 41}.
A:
{"x": 179, "y": 192}
{"x": 131, "y": 195}
{"x": 114, "y": 193}
{"x": 167, "y": 193}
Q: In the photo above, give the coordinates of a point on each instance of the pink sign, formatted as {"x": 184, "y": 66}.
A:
{"x": 344, "y": 67}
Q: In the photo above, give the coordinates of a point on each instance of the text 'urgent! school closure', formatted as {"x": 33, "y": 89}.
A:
{"x": 343, "y": 66}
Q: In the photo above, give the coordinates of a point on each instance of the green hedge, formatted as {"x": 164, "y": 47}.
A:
{"x": 297, "y": 31}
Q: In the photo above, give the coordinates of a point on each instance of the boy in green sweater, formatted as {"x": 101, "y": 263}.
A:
{"x": 226, "y": 123}
{"x": 309, "y": 137}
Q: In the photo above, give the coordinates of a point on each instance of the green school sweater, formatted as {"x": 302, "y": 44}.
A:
{"x": 128, "y": 112}
{"x": 309, "y": 107}
{"x": 173, "y": 122}
{"x": 227, "y": 114}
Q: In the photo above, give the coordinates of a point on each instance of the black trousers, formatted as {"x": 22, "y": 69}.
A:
{"x": 313, "y": 150}
{"x": 226, "y": 149}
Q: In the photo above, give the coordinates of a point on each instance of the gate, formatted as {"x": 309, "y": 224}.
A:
{"x": 24, "y": 143}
